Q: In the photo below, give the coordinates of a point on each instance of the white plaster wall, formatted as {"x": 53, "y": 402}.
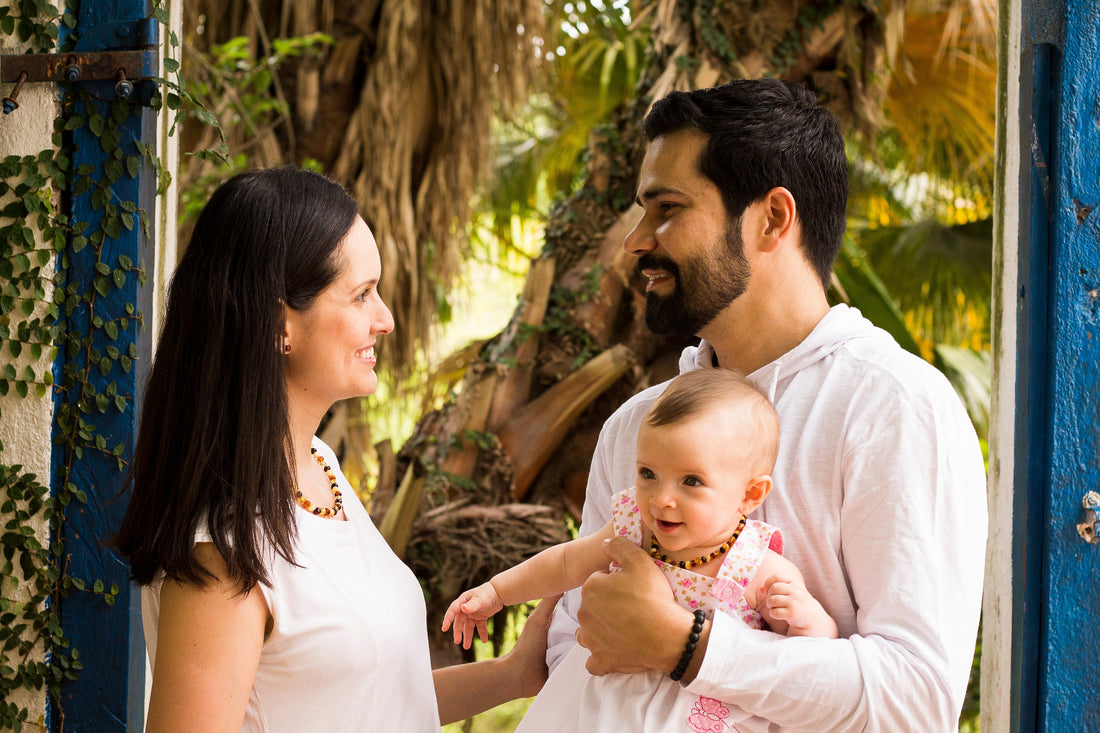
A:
{"x": 26, "y": 423}
{"x": 997, "y": 602}
{"x": 160, "y": 275}
{"x": 167, "y": 208}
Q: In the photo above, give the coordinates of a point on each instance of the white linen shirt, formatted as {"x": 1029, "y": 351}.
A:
{"x": 880, "y": 493}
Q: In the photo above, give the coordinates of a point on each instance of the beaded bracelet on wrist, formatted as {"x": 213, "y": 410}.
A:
{"x": 689, "y": 648}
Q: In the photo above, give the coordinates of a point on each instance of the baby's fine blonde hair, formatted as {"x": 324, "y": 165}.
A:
{"x": 703, "y": 391}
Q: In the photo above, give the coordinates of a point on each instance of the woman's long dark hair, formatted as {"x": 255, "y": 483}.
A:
{"x": 213, "y": 445}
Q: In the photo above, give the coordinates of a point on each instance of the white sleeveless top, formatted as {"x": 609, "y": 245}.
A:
{"x": 348, "y": 650}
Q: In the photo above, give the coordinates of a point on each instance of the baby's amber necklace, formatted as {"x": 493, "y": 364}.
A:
{"x": 656, "y": 554}
{"x": 337, "y": 497}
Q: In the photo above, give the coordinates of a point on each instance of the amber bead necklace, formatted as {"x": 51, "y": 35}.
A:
{"x": 656, "y": 554}
{"x": 337, "y": 497}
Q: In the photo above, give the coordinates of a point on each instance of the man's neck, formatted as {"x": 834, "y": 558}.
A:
{"x": 753, "y": 332}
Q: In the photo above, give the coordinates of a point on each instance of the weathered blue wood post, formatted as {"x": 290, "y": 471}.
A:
{"x": 1070, "y": 658}
{"x": 108, "y": 694}
{"x": 1040, "y": 643}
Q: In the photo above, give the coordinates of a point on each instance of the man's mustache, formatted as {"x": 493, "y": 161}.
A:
{"x": 651, "y": 261}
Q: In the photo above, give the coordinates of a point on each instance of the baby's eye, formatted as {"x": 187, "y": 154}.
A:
{"x": 646, "y": 474}
{"x": 692, "y": 481}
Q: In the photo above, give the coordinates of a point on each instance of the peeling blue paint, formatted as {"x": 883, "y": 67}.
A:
{"x": 1070, "y": 637}
{"x": 108, "y": 695}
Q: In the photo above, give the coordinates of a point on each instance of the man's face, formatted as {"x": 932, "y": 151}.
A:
{"x": 703, "y": 285}
{"x": 691, "y": 254}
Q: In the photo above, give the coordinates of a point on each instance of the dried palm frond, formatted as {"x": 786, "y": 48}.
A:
{"x": 399, "y": 111}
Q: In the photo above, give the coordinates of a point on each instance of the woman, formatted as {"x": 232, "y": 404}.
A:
{"x": 269, "y": 603}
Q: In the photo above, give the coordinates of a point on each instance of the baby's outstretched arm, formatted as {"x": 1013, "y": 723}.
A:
{"x": 785, "y": 602}
{"x": 470, "y": 610}
{"x": 549, "y": 573}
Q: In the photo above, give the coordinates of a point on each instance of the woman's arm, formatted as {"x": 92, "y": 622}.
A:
{"x": 464, "y": 690}
{"x": 208, "y": 649}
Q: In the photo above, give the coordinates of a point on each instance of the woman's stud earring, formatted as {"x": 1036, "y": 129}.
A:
{"x": 286, "y": 348}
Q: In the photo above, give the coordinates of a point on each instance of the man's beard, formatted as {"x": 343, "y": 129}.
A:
{"x": 704, "y": 286}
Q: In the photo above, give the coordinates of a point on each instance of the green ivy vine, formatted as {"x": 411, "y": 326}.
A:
{"x": 44, "y": 313}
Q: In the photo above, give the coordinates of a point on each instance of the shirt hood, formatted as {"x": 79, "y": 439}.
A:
{"x": 840, "y": 325}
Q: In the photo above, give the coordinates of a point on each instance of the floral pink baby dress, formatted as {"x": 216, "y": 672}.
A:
{"x": 650, "y": 702}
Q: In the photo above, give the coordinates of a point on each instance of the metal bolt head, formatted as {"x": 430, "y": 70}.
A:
{"x": 123, "y": 31}
{"x": 10, "y": 105}
{"x": 72, "y": 72}
{"x": 124, "y": 89}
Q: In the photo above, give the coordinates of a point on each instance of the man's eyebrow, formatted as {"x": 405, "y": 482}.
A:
{"x": 651, "y": 193}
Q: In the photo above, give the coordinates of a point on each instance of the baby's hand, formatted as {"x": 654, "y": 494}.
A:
{"x": 469, "y": 611}
{"x": 789, "y": 600}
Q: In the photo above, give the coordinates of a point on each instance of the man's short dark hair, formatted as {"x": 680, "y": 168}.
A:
{"x": 765, "y": 133}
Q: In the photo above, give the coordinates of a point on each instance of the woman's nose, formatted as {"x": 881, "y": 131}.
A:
{"x": 383, "y": 320}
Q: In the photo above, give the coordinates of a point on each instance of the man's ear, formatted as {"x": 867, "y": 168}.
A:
{"x": 755, "y": 492}
{"x": 779, "y": 212}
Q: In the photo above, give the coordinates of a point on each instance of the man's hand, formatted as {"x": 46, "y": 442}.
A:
{"x": 629, "y": 621}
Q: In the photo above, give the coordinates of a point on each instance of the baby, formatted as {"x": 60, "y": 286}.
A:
{"x": 705, "y": 451}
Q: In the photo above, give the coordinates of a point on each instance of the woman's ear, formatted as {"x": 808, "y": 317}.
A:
{"x": 755, "y": 493}
{"x": 285, "y": 340}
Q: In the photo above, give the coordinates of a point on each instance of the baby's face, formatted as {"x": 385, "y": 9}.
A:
{"x": 691, "y": 483}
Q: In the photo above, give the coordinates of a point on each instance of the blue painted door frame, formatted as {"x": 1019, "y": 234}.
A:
{"x": 1056, "y": 605}
{"x": 108, "y": 695}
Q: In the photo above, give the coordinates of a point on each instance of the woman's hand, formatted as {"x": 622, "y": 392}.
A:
{"x": 530, "y": 649}
{"x": 463, "y": 690}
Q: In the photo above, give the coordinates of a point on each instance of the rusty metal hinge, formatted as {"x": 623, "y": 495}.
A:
{"x": 1088, "y": 529}
{"x": 112, "y": 60}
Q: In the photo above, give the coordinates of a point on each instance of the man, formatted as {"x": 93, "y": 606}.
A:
{"x": 880, "y": 484}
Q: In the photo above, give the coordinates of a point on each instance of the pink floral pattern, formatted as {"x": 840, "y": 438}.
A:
{"x": 709, "y": 716}
{"x": 726, "y": 592}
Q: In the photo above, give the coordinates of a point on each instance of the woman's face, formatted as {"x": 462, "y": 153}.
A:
{"x": 331, "y": 344}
